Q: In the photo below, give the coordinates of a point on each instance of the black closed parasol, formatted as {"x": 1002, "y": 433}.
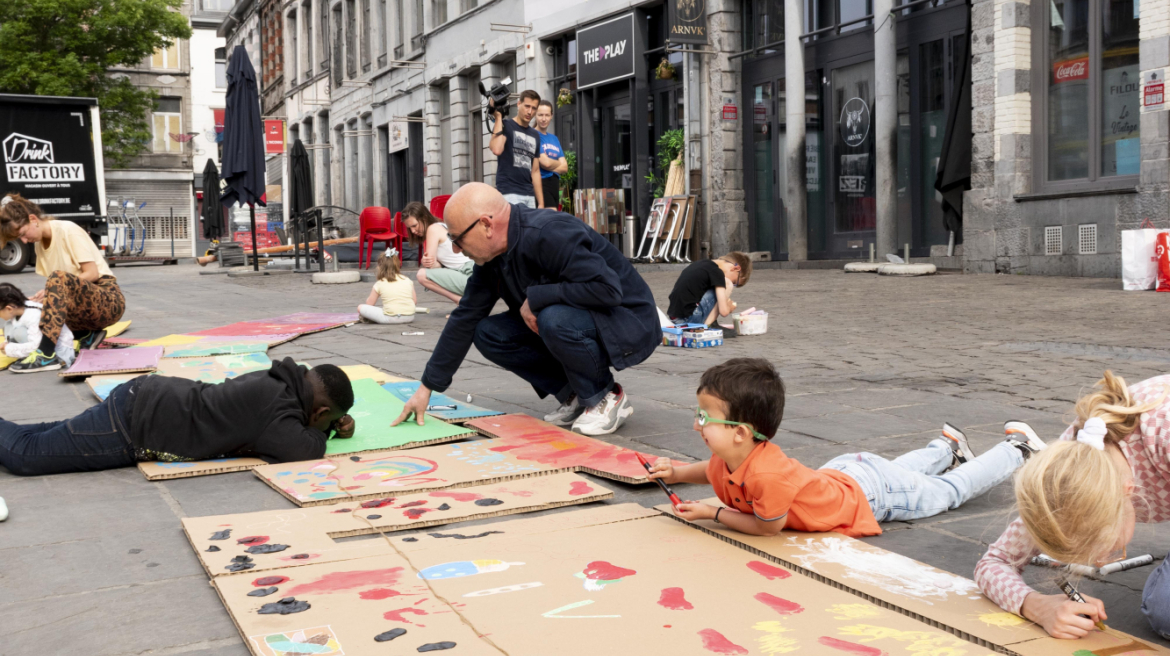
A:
{"x": 243, "y": 140}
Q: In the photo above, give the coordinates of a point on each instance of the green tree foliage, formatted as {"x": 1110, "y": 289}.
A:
{"x": 65, "y": 48}
{"x": 569, "y": 181}
{"x": 670, "y": 144}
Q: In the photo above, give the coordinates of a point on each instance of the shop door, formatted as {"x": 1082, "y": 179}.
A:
{"x": 853, "y": 204}
{"x": 617, "y": 169}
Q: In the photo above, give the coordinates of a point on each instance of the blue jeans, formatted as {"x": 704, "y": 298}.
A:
{"x": 702, "y": 310}
{"x": 567, "y": 356}
{"x": 517, "y": 199}
{"x": 1156, "y": 599}
{"x": 913, "y": 485}
{"x": 96, "y": 439}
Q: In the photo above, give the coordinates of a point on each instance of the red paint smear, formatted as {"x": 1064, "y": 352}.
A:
{"x": 714, "y": 641}
{"x": 342, "y": 581}
{"x": 379, "y": 593}
{"x": 579, "y": 487}
{"x": 851, "y": 647}
{"x": 782, "y": 606}
{"x": 673, "y": 599}
{"x": 266, "y": 581}
{"x": 253, "y": 539}
{"x": 343, "y": 510}
{"x": 397, "y": 615}
{"x": 378, "y": 503}
{"x": 458, "y": 496}
{"x": 770, "y": 571}
{"x": 412, "y": 504}
{"x": 415, "y": 513}
{"x": 600, "y": 570}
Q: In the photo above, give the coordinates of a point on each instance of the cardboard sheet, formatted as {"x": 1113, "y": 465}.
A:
{"x": 301, "y": 323}
{"x": 278, "y": 539}
{"x": 216, "y": 346}
{"x": 377, "y": 474}
{"x": 157, "y": 471}
{"x": 373, "y": 410}
{"x": 460, "y": 414}
{"x": 358, "y": 371}
{"x": 530, "y": 439}
{"x": 103, "y": 361}
{"x": 207, "y": 370}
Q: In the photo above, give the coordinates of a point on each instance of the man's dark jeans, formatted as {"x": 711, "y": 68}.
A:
{"x": 567, "y": 356}
{"x": 96, "y": 439}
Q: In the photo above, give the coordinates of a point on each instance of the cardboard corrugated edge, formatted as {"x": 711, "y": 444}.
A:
{"x": 66, "y": 373}
{"x": 411, "y": 445}
{"x": 225, "y": 468}
{"x": 461, "y": 421}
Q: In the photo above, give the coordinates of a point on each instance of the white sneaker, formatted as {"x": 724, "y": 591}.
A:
{"x": 3, "y": 510}
{"x": 566, "y": 414}
{"x": 605, "y": 417}
{"x": 1022, "y": 436}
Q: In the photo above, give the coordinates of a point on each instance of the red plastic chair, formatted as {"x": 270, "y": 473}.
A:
{"x": 438, "y": 204}
{"x": 376, "y": 226}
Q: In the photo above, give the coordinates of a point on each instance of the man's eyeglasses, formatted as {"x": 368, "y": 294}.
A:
{"x": 703, "y": 418}
{"x": 455, "y": 241}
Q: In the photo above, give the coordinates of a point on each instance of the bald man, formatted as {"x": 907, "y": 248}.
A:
{"x": 576, "y": 309}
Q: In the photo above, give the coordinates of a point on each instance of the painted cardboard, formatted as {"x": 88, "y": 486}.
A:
{"x": 462, "y": 412}
{"x": 207, "y": 370}
{"x": 530, "y": 439}
{"x": 373, "y": 410}
{"x": 371, "y": 475}
{"x": 358, "y": 371}
{"x": 308, "y": 535}
{"x": 157, "y": 471}
{"x": 91, "y": 362}
{"x": 204, "y": 349}
{"x": 301, "y": 323}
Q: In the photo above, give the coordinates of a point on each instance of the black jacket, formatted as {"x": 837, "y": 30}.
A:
{"x": 553, "y": 258}
{"x": 262, "y": 414}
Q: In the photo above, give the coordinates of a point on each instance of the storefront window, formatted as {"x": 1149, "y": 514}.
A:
{"x": 853, "y": 10}
{"x": 1120, "y": 82}
{"x": 855, "y": 204}
{"x": 763, "y": 153}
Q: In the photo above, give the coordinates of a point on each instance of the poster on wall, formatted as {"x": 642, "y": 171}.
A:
{"x": 1154, "y": 90}
{"x": 1122, "y": 97}
{"x": 687, "y": 21}
{"x": 606, "y": 52}
{"x": 48, "y": 152}
{"x": 399, "y": 136}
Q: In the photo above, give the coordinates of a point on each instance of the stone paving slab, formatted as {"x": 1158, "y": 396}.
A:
{"x": 869, "y": 363}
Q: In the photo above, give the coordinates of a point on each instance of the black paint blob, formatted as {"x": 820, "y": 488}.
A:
{"x": 356, "y": 458}
{"x": 212, "y": 549}
{"x": 242, "y": 559}
{"x": 410, "y": 539}
{"x": 262, "y": 592}
{"x": 284, "y": 607}
{"x": 239, "y": 567}
{"x": 482, "y": 502}
{"x": 389, "y": 635}
{"x": 299, "y": 556}
{"x": 221, "y": 535}
{"x": 437, "y": 646}
{"x": 373, "y": 517}
{"x": 444, "y": 507}
{"x": 460, "y": 536}
{"x": 266, "y": 548}
{"x": 269, "y": 580}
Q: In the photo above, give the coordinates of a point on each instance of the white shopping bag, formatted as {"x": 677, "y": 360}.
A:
{"x": 1139, "y": 267}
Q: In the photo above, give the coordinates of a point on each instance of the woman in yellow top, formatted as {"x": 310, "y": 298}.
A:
{"x": 80, "y": 291}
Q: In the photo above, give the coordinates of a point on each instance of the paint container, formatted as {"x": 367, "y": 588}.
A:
{"x": 432, "y": 408}
{"x": 414, "y": 334}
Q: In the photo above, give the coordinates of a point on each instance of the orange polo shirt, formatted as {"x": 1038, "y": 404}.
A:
{"x": 771, "y": 486}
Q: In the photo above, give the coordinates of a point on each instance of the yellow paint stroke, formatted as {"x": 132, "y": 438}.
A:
{"x": 772, "y": 642}
{"x": 117, "y": 329}
{"x": 174, "y": 340}
{"x": 560, "y": 445}
{"x": 922, "y": 643}
{"x": 1002, "y": 620}
{"x": 852, "y": 611}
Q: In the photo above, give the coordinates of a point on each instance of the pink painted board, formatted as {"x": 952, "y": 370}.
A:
{"x": 91, "y": 362}
{"x": 299, "y": 323}
{"x": 529, "y": 439}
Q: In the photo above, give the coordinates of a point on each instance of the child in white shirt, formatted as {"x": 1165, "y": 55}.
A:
{"x": 394, "y": 289}
{"x": 22, "y": 333}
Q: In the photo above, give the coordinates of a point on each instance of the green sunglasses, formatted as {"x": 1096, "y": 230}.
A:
{"x": 703, "y": 418}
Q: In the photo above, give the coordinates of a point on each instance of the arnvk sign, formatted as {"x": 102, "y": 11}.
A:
{"x": 28, "y": 159}
{"x": 606, "y": 52}
{"x": 686, "y": 21}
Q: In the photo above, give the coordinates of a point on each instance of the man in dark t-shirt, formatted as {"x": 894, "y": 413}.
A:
{"x": 702, "y": 288}
{"x": 516, "y": 145}
{"x": 283, "y": 414}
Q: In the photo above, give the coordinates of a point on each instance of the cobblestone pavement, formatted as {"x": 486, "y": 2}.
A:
{"x": 875, "y": 364}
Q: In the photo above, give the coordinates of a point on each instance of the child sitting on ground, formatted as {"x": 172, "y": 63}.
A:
{"x": 741, "y": 403}
{"x": 1079, "y": 501}
{"x": 22, "y": 332}
{"x": 395, "y": 290}
{"x": 704, "y": 288}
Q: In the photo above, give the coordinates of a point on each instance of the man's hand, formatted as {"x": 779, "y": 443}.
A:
{"x": 662, "y": 469}
{"x": 38, "y": 297}
{"x": 529, "y": 317}
{"x": 345, "y": 427}
{"x": 693, "y": 510}
{"x": 416, "y": 405}
{"x": 1061, "y": 616}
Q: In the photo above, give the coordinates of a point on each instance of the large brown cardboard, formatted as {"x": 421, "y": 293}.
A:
{"x": 308, "y": 535}
{"x": 157, "y": 471}
{"x": 379, "y": 473}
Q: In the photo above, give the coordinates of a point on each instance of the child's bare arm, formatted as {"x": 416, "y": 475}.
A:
{"x": 723, "y": 302}
{"x": 372, "y": 298}
{"x": 732, "y": 518}
{"x": 693, "y": 473}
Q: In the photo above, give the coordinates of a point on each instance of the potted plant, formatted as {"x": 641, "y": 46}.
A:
{"x": 670, "y": 144}
{"x": 564, "y": 97}
{"x": 569, "y": 181}
{"x": 665, "y": 70}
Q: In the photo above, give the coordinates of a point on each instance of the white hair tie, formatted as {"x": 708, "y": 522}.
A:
{"x": 391, "y": 252}
{"x": 1093, "y": 433}
{"x": 6, "y": 200}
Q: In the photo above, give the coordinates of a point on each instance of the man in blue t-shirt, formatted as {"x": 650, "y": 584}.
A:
{"x": 515, "y": 143}
{"x": 552, "y": 158}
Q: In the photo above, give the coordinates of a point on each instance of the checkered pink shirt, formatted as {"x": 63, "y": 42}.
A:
{"x": 1148, "y": 452}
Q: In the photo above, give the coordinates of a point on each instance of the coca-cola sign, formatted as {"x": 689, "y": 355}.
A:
{"x": 1072, "y": 69}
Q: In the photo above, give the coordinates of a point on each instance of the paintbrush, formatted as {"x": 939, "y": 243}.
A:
{"x": 1072, "y": 593}
{"x": 674, "y": 500}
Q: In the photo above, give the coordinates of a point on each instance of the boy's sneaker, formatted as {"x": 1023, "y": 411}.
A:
{"x": 605, "y": 417}
{"x": 566, "y": 414}
{"x": 959, "y": 444}
{"x": 91, "y": 340}
{"x": 36, "y": 362}
{"x": 1023, "y": 437}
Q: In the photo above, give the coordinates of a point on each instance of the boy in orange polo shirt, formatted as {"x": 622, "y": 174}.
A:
{"x": 741, "y": 403}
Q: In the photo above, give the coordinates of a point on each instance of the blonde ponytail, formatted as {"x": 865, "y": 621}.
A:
{"x": 1111, "y": 401}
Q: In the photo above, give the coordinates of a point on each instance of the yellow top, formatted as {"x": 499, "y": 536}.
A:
{"x": 69, "y": 248}
{"x": 396, "y": 296}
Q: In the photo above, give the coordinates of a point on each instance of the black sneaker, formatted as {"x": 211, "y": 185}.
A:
{"x": 959, "y": 444}
{"x": 92, "y": 339}
{"x": 36, "y": 362}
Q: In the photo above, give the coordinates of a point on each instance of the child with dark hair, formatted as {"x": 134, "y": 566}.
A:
{"x": 703, "y": 289}
{"x": 741, "y": 403}
{"x": 22, "y": 332}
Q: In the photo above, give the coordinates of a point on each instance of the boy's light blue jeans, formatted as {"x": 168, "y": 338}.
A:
{"x": 913, "y": 485}
{"x": 1156, "y": 599}
{"x": 702, "y": 310}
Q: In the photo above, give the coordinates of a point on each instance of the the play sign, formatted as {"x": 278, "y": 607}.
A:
{"x": 274, "y": 137}
{"x": 605, "y": 52}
